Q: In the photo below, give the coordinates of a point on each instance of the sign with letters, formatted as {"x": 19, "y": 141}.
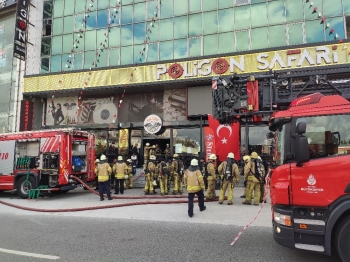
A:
{"x": 19, "y": 49}
{"x": 27, "y": 115}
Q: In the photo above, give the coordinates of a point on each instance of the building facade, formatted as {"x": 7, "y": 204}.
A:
{"x": 109, "y": 64}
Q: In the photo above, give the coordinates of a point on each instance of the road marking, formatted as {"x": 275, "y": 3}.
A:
{"x": 20, "y": 253}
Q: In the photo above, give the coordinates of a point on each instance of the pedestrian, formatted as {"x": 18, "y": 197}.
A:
{"x": 246, "y": 160}
{"x": 194, "y": 183}
{"x": 119, "y": 170}
{"x": 150, "y": 175}
{"x": 103, "y": 172}
{"x": 134, "y": 163}
{"x": 254, "y": 171}
{"x": 229, "y": 174}
{"x": 211, "y": 177}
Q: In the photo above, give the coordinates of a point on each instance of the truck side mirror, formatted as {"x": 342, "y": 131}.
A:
{"x": 302, "y": 154}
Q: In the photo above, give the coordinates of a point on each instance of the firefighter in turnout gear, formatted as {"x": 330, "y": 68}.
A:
{"x": 211, "y": 177}
{"x": 128, "y": 182}
{"x": 203, "y": 169}
{"x": 152, "y": 150}
{"x": 170, "y": 173}
{"x": 177, "y": 174}
{"x": 195, "y": 186}
{"x": 229, "y": 174}
{"x": 145, "y": 155}
{"x": 150, "y": 174}
{"x": 163, "y": 171}
{"x": 119, "y": 170}
{"x": 253, "y": 172}
{"x": 103, "y": 171}
{"x": 97, "y": 162}
{"x": 246, "y": 160}
{"x": 262, "y": 181}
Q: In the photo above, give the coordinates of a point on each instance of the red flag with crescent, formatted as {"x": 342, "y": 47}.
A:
{"x": 227, "y": 138}
{"x": 209, "y": 142}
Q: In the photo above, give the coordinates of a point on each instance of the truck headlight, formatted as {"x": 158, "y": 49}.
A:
{"x": 282, "y": 219}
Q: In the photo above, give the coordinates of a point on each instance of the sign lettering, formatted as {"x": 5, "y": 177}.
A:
{"x": 27, "y": 113}
{"x": 19, "y": 49}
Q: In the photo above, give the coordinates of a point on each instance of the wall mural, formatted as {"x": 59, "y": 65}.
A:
{"x": 72, "y": 110}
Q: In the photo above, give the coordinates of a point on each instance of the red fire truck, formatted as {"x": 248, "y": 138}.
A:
{"x": 310, "y": 180}
{"x": 45, "y": 159}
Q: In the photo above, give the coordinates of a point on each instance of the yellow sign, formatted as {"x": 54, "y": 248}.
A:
{"x": 123, "y": 147}
{"x": 305, "y": 57}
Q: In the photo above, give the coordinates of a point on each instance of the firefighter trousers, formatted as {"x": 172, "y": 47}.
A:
{"x": 104, "y": 187}
{"x": 177, "y": 184}
{"x": 253, "y": 188}
{"x": 200, "y": 195}
{"x": 149, "y": 184}
{"x": 211, "y": 195}
{"x": 131, "y": 181}
{"x": 227, "y": 184}
{"x": 163, "y": 184}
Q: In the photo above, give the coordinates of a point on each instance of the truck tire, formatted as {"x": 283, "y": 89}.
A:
{"x": 22, "y": 191}
{"x": 342, "y": 239}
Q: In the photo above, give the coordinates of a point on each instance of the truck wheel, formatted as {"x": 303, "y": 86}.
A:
{"x": 342, "y": 239}
{"x": 22, "y": 190}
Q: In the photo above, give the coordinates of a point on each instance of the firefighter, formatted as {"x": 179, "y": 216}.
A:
{"x": 152, "y": 150}
{"x": 170, "y": 173}
{"x": 254, "y": 172}
{"x": 112, "y": 178}
{"x": 146, "y": 154}
{"x": 177, "y": 174}
{"x": 203, "y": 169}
{"x": 119, "y": 170}
{"x": 103, "y": 172}
{"x": 167, "y": 151}
{"x": 163, "y": 172}
{"x": 229, "y": 174}
{"x": 195, "y": 186}
{"x": 128, "y": 183}
{"x": 150, "y": 174}
{"x": 246, "y": 160}
{"x": 157, "y": 150}
{"x": 262, "y": 181}
{"x": 211, "y": 177}
{"x": 97, "y": 161}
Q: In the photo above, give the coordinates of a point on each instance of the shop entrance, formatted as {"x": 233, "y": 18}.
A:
{"x": 161, "y": 142}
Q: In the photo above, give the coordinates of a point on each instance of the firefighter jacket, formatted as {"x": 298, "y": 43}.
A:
{"x": 151, "y": 168}
{"x": 211, "y": 171}
{"x": 152, "y": 152}
{"x": 177, "y": 166}
{"x": 119, "y": 170}
{"x": 103, "y": 171}
{"x": 249, "y": 170}
{"x": 235, "y": 171}
{"x": 193, "y": 180}
{"x": 146, "y": 151}
{"x": 128, "y": 170}
{"x": 162, "y": 169}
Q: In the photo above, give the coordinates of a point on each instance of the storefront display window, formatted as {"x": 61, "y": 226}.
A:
{"x": 187, "y": 141}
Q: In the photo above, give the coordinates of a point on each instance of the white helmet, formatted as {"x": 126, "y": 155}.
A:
{"x": 120, "y": 158}
{"x": 194, "y": 162}
{"x": 103, "y": 158}
{"x": 230, "y": 155}
{"x": 259, "y": 158}
{"x": 147, "y": 144}
{"x": 152, "y": 157}
{"x": 212, "y": 157}
{"x": 129, "y": 160}
{"x": 154, "y": 182}
{"x": 97, "y": 161}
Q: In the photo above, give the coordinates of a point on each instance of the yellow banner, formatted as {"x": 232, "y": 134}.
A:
{"x": 123, "y": 142}
{"x": 305, "y": 57}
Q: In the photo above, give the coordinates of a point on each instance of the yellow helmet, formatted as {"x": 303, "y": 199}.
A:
{"x": 246, "y": 158}
{"x": 175, "y": 155}
{"x": 254, "y": 155}
{"x": 212, "y": 157}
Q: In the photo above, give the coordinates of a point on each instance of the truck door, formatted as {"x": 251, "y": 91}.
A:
{"x": 324, "y": 178}
{"x": 7, "y": 158}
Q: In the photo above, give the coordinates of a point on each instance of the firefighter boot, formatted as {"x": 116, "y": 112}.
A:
{"x": 101, "y": 197}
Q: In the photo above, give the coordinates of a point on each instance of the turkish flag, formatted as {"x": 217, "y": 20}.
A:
{"x": 227, "y": 138}
{"x": 209, "y": 142}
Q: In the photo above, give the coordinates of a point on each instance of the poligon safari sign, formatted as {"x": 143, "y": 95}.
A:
{"x": 152, "y": 124}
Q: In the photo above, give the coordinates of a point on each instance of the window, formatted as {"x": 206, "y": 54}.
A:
{"x": 102, "y": 18}
{"x": 242, "y": 17}
{"x": 295, "y": 34}
{"x": 57, "y": 28}
{"x": 327, "y": 135}
{"x": 126, "y": 35}
{"x": 47, "y": 10}
{"x": 294, "y": 10}
{"x": 260, "y": 38}
{"x": 195, "y": 46}
{"x": 195, "y": 24}
{"x": 195, "y": 6}
{"x": 180, "y": 27}
{"x": 139, "y": 54}
{"x": 58, "y": 8}
{"x": 333, "y": 8}
{"x": 152, "y": 52}
{"x": 46, "y": 46}
{"x": 114, "y": 57}
{"x": 225, "y": 4}
{"x": 259, "y": 15}
{"x": 277, "y": 35}
{"x": 55, "y": 63}
{"x": 210, "y": 22}
{"x": 226, "y": 43}
{"x": 114, "y": 36}
{"x": 209, "y": 5}
{"x": 166, "y": 32}
{"x": 226, "y": 20}
{"x": 339, "y": 30}
{"x": 89, "y": 59}
{"x": 314, "y": 31}
{"x": 347, "y": 21}
{"x": 139, "y": 33}
{"x": 241, "y": 2}
{"x": 180, "y": 8}
{"x": 180, "y": 48}
{"x": 242, "y": 41}
{"x": 45, "y": 65}
{"x": 126, "y": 14}
{"x": 276, "y": 12}
{"x": 166, "y": 50}
{"x": 68, "y": 7}
{"x": 56, "y": 45}
{"x": 126, "y": 56}
{"x": 166, "y": 8}
{"x": 77, "y": 61}
{"x": 308, "y": 10}
{"x": 139, "y": 12}
{"x": 210, "y": 44}
{"x": 67, "y": 24}
{"x": 101, "y": 4}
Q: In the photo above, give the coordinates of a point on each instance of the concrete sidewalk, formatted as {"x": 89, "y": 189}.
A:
{"x": 236, "y": 214}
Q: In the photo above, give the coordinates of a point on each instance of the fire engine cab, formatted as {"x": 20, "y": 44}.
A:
{"x": 45, "y": 159}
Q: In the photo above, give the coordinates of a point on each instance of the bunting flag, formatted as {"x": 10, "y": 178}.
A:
{"x": 227, "y": 138}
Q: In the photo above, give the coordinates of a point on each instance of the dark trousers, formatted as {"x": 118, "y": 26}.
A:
{"x": 104, "y": 187}
{"x": 111, "y": 178}
{"x": 200, "y": 195}
{"x": 119, "y": 185}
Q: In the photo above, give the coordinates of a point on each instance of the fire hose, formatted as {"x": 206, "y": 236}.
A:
{"x": 105, "y": 206}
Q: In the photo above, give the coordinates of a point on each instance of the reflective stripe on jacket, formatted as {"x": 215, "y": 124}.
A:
{"x": 119, "y": 169}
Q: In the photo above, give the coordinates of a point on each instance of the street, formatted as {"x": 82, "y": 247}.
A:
{"x": 139, "y": 233}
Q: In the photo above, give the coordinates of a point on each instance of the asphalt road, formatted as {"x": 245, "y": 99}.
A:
{"x": 75, "y": 239}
